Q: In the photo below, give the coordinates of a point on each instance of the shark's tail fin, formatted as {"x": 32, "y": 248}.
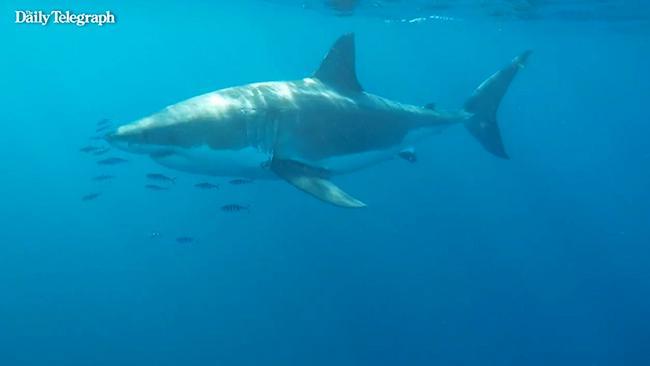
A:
{"x": 484, "y": 103}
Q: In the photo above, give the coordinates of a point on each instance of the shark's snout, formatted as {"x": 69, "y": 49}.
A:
{"x": 117, "y": 140}
{"x": 127, "y": 141}
{"x": 109, "y": 137}
{"x": 136, "y": 138}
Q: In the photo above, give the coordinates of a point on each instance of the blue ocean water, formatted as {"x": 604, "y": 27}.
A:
{"x": 459, "y": 259}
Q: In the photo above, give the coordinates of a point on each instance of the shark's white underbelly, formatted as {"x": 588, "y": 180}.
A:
{"x": 342, "y": 164}
{"x": 254, "y": 163}
{"x": 247, "y": 162}
{"x": 250, "y": 162}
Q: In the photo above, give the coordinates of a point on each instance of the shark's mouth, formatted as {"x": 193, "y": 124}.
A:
{"x": 162, "y": 153}
{"x": 128, "y": 144}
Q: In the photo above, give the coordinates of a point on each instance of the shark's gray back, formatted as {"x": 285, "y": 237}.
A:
{"x": 313, "y": 121}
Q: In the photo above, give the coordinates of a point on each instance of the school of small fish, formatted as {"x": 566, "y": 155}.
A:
{"x": 154, "y": 181}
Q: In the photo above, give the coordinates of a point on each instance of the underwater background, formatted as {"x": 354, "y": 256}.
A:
{"x": 459, "y": 259}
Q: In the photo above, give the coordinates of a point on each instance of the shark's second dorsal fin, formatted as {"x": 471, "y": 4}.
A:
{"x": 338, "y": 67}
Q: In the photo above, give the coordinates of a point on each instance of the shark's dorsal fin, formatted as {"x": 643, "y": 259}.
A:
{"x": 338, "y": 67}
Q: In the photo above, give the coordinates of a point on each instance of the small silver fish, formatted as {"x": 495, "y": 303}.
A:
{"x": 240, "y": 181}
{"x": 184, "y": 240}
{"x": 206, "y": 185}
{"x": 101, "y": 151}
{"x": 112, "y": 161}
{"x": 88, "y": 149}
{"x": 90, "y": 197}
{"x": 103, "y": 177}
{"x": 102, "y": 128}
{"x": 234, "y": 207}
{"x": 154, "y": 187}
{"x": 161, "y": 178}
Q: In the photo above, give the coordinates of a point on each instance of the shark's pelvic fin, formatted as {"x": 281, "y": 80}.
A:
{"x": 313, "y": 181}
{"x": 338, "y": 68}
{"x": 484, "y": 103}
{"x": 409, "y": 155}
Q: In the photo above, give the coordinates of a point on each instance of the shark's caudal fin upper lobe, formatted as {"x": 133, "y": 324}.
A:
{"x": 484, "y": 103}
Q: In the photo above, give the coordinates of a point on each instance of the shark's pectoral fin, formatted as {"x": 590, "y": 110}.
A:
{"x": 324, "y": 190}
{"x": 313, "y": 181}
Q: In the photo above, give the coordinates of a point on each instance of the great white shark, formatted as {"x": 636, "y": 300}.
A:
{"x": 306, "y": 131}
